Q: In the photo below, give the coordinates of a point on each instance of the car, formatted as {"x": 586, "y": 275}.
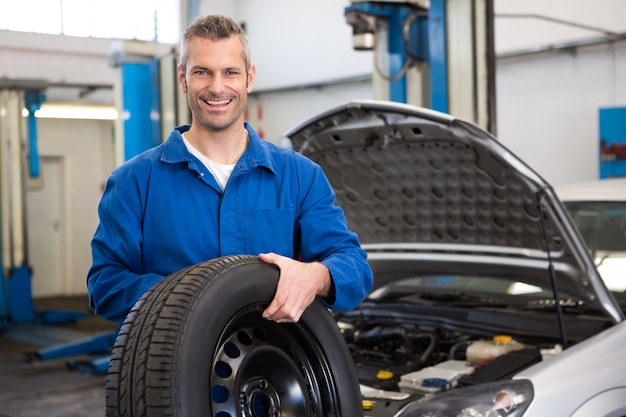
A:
{"x": 598, "y": 208}
{"x": 486, "y": 298}
{"x": 468, "y": 309}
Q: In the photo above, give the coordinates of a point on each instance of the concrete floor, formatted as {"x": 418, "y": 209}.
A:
{"x": 53, "y": 387}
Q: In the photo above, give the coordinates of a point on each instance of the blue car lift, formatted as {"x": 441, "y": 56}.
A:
{"x": 19, "y": 320}
{"x": 437, "y": 54}
{"x": 138, "y": 130}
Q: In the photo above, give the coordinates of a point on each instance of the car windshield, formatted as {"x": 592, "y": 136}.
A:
{"x": 475, "y": 284}
{"x": 603, "y": 227}
{"x": 469, "y": 290}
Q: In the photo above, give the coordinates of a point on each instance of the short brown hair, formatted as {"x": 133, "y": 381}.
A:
{"x": 213, "y": 27}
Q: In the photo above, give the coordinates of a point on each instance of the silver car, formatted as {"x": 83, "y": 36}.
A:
{"x": 487, "y": 301}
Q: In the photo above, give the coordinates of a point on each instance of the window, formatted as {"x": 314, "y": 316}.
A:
{"x": 148, "y": 20}
{"x": 602, "y": 224}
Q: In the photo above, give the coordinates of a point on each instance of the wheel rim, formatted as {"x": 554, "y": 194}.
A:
{"x": 265, "y": 369}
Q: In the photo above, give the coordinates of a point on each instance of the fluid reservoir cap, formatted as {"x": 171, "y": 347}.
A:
{"x": 502, "y": 339}
{"x": 383, "y": 375}
{"x": 368, "y": 405}
{"x": 439, "y": 383}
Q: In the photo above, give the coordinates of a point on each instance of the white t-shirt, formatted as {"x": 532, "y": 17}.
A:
{"x": 220, "y": 172}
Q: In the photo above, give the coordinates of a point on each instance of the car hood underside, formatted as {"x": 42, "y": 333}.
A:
{"x": 412, "y": 180}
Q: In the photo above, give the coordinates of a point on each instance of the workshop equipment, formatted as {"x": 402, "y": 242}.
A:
{"x": 19, "y": 159}
{"x": 437, "y": 54}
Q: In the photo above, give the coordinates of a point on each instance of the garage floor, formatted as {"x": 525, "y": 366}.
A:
{"x": 51, "y": 388}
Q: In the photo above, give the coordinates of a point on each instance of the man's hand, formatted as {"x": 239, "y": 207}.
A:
{"x": 298, "y": 285}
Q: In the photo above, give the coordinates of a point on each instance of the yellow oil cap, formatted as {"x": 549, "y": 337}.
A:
{"x": 383, "y": 375}
{"x": 502, "y": 339}
{"x": 368, "y": 405}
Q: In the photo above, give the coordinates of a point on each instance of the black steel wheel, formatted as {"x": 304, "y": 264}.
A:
{"x": 196, "y": 345}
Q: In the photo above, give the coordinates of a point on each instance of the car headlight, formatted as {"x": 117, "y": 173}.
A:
{"x": 495, "y": 399}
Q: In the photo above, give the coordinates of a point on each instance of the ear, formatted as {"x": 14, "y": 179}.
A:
{"x": 182, "y": 80}
{"x": 251, "y": 75}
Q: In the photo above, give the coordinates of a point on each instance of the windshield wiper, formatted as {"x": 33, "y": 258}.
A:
{"x": 461, "y": 298}
{"x": 550, "y": 303}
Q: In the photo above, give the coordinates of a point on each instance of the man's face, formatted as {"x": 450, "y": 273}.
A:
{"x": 216, "y": 82}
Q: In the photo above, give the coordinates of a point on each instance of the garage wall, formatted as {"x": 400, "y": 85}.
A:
{"x": 85, "y": 150}
{"x": 295, "y": 43}
{"x": 273, "y": 113}
{"x": 56, "y": 60}
{"x": 548, "y": 108}
{"x": 535, "y": 23}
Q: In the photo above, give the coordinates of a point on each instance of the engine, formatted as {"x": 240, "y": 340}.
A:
{"x": 411, "y": 359}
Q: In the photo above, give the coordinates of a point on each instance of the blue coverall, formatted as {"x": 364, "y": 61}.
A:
{"x": 162, "y": 211}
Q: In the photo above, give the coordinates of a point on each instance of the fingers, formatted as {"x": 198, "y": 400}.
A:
{"x": 270, "y": 258}
{"x": 287, "y": 306}
{"x": 276, "y": 310}
{"x": 298, "y": 285}
{"x": 271, "y": 312}
{"x": 281, "y": 316}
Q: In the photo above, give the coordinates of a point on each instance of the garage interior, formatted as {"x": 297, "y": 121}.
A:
{"x": 541, "y": 76}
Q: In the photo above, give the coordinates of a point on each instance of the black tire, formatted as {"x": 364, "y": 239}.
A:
{"x": 196, "y": 345}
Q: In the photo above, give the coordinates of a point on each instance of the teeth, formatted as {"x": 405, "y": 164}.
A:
{"x": 217, "y": 102}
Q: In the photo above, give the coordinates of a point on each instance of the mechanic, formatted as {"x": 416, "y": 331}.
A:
{"x": 216, "y": 188}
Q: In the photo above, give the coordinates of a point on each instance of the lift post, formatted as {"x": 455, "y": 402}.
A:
{"x": 19, "y": 320}
{"x": 439, "y": 53}
{"x": 16, "y": 305}
{"x": 396, "y": 32}
{"x": 137, "y": 97}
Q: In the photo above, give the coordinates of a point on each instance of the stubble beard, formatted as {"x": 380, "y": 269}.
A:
{"x": 210, "y": 122}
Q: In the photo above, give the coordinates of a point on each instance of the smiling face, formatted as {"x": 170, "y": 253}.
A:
{"x": 217, "y": 83}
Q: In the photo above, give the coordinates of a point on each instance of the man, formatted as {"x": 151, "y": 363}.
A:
{"x": 215, "y": 188}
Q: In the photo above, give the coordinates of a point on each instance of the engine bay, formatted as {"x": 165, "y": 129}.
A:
{"x": 398, "y": 363}
{"x": 421, "y": 360}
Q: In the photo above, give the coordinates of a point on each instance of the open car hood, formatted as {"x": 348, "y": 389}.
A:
{"x": 421, "y": 183}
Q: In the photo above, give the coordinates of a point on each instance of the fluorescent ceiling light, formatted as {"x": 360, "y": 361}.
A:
{"x": 75, "y": 111}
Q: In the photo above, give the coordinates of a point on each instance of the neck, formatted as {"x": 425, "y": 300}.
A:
{"x": 224, "y": 147}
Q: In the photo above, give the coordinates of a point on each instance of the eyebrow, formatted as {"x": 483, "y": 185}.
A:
{"x": 229, "y": 68}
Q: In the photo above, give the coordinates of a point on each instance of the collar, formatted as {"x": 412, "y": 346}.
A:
{"x": 257, "y": 154}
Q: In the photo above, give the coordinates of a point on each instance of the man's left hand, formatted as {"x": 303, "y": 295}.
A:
{"x": 298, "y": 285}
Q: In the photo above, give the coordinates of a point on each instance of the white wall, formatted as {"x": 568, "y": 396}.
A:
{"x": 217, "y": 7}
{"x": 283, "y": 110}
{"x": 87, "y": 150}
{"x": 580, "y": 19}
{"x": 54, "y": 59}
{"x": 300, "y": 42}
{"x": 548, "y": 108}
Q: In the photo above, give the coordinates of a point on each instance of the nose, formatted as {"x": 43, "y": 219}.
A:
{"x": 216, "y": 83}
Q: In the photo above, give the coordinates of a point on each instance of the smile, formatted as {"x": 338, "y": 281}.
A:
{"x": 217, "y": 102}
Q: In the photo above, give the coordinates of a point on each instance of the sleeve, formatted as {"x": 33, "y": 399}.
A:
{"x": 326, "y": 238}
{"x": 116, "y": 280}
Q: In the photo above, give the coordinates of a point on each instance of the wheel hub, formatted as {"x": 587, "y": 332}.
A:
{"x": 258, "y": 372}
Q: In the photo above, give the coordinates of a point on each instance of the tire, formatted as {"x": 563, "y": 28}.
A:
{"x": 196, "y": 345}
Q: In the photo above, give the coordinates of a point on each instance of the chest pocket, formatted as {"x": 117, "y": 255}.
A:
{"x": 269, "y": 230}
